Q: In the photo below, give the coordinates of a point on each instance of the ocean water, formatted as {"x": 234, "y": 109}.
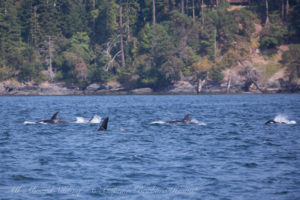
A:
{"x": 229, "y": 153}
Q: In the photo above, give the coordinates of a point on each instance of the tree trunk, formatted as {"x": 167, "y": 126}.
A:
{"x": 94, "y": 4}
{"x": 215, "y": 44}
{"x": 50, "y": 69}
{"x": 229, "y": 81}
{"x": 193, "y": 4}
{"x": 153, "y": 13}
{"x": 287, "y": 7}
{"x": 217, "y": 3}
{"x": 121, "y": 35}
{"x": 200, "y": 7}
{"x": 186, "y": 7}
{"x": 94, "y": 20}
{"x": 267, "y": 13}
{"x": 200, "y": 85}
{"x": 127, "y": 22}
{"x": 182, "y": 6}
{"x": 282, "y": 9}
{"x": 202, "y": 14}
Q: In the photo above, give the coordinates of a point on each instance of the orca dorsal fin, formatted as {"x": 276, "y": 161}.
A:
{"x": 91, "y": 119}
{"x": 103, "y": 126}
{"x": 54, "y": 117}
{"x": 186, "y": 118}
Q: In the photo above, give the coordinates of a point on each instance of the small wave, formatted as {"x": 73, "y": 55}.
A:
{"x": 94, "y": 120}
{"x": 194, "y": 121}
{"x": 283, "y": 119}
{"x": 28, "y": 122}
{"x": 158, "y": 122}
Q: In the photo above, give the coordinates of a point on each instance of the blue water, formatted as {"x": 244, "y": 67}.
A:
{"x": 230, "y": 154}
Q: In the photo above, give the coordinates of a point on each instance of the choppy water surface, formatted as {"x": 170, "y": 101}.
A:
{"x": 228, "y": 154}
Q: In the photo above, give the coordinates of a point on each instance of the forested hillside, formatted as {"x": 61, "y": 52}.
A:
{"x": 143, "y": 43}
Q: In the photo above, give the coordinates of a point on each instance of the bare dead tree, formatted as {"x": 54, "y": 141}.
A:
{"x": 252, "y": 76}
{"x": 267, "y": 13}
{"x": 200, "y": 85}
{"x": 121, "y": 34}
{"x": 51, "y": 50}
{"x": 229, "y": 81}
{"x": 111, "y": 58}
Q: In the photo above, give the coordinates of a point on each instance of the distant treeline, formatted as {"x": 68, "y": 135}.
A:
{"x": 140, "y": 43}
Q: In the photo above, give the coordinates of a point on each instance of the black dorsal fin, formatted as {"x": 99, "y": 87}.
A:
{"x": 54, "y": 117}
{"x": 103, "y": 126}
{"x": 186, "y": 118}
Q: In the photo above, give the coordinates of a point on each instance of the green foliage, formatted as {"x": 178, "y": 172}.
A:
{"x": 98, "y": 74}
{"x": 106, "y": 24}
{"x": 82, "y": 39}
{"x": 162, "y": 51}
{"x": 74, "y": 17}
{"x": 291, "y": 59}
{"x": 31, "y": 71}
{"x": 215, "y": 73}
{"x": 273, "y": 33}
{"x": 246, "y": 19}
{"x": 294, "y": 23}
{"x": 80, "y": 45}
{"x": 145, "y": 43}
{"x": 27, "y": 72}
{"x": 227, "y": 27}
{"x": 5, "y": 72}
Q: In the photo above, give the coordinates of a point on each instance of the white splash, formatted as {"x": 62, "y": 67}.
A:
{"x": 28, "y": 122}
{"x": 158, "y": 122}
{"x": 94, "y": 120}
{"x": 283, "y": 119}
{"x": 195, "y": 121}
{"x": 80, "y": 120}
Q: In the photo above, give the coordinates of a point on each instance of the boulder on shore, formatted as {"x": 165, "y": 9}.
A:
{"x": 182, "y": 87}
{"x": 142, "y": 91}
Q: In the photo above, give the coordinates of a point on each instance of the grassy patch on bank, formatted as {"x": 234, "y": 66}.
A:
{"x": 269, "y": 69}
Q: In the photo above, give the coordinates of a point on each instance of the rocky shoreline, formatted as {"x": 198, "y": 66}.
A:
{"x": 180, "y": 87}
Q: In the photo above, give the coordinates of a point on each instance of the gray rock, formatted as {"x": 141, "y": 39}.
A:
{"x": 114, "y": 87}
{"x": 93, "y": 87}
{"x": 2, "y": 89}
{"x": 58, "y": 90}
{"x": 183, "y": 87}
{"x": 142, "y": 91}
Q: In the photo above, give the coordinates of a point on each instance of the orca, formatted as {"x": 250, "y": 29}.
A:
{"x": 53, "y": 120}
{"x": 184, "y": 121}
{"x": 274, "y": 122}
{"x": 103, "y": 126}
